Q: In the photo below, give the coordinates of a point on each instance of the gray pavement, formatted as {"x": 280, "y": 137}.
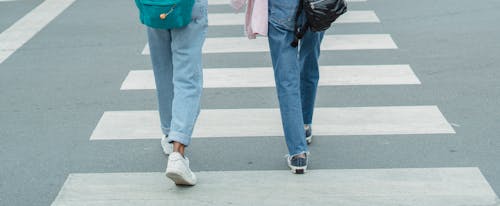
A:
{"x": 55, "y": 88}
{"x": 11, "y": 11}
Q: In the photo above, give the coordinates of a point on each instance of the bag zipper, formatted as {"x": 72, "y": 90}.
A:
{"x": 314, "y": 3}
{"x": 165, "y": 15}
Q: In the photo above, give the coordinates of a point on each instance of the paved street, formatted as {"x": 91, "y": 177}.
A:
{"x": 407, "y": 109}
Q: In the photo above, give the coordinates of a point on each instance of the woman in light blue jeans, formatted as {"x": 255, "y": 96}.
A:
{"x": 296, "y": 74}
{"x": 176, "y": 55}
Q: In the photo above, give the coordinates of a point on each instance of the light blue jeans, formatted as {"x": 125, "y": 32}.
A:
{"x": 296, "y": 72}
{"x": 176, "y": 58}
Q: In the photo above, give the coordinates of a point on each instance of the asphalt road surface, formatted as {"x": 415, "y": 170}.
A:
{"x": 408, "y": 109}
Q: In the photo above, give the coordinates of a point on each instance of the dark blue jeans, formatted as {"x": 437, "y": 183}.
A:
{"x": 296, "y": 72}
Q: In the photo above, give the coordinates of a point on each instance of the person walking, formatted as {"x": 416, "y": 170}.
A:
{"x": 296, "y": 73}
{"x": 296, "y": 70}
{"x": 176, "y": 56}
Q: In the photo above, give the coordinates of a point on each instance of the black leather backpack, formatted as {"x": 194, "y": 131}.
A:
{"x": 320, "y": 14}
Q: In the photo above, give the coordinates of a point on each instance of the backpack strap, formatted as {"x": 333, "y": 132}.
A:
{"x": 299, "y": 31}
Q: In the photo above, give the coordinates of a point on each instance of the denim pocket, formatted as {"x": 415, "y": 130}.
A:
{"x": 199, "y": 10}
{"x": 282, "y": 13}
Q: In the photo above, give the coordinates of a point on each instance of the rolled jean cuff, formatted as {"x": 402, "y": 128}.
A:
{"x": 303, "y": 152}
{"x": 179, "y": 137}
{"x": 166, "y": 131}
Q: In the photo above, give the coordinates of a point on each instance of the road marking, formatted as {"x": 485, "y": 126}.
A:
{"x": 226, "y": 2}
{"x": 25, "y": 28}
{"x": 328, "y": 121}
{"x": 330, "y": 42}
{"x": 264, "y": 77}
{"x": 349, "y": 187}
{"x": 228, "y": 19}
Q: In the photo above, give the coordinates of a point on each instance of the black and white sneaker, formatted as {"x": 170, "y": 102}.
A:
{"x": 309, "y": 135}
{"x": 297, "y": 164}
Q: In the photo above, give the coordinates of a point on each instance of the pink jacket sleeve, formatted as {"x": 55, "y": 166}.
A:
{"x": 259, "y": 18}
{"x": 256, "y": 16}
{"x": 238, "y": 4}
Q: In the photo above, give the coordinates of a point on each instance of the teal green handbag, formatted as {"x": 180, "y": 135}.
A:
{"x": 165, "y": 14}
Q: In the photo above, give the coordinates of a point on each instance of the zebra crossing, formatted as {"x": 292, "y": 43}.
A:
{"x": 230, "y": 19}
{"x": 330, "y": 43}
{"x": 267, "y": 122}
{"x": 225, "y": 2}
{"x": 263, "y": 77}
{"x": 424, "y": 186}
{"x": 392, "y": 186}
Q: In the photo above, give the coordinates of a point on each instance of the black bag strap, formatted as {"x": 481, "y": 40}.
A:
{"x": 299, "y": 31}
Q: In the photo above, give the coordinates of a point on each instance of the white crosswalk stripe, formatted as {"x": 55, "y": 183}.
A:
{"x": 264, "y": 77}
{"x": 226, "y": 2}
{"x": 363, "y": 187}
{"x": 266, "y": 122}
{"x": 330, "y": 43}
{"x": 28, "y": 26}
{"x": 228, "y": 19}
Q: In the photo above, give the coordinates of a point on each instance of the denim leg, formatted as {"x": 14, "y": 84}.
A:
{"x": 287, "y": 77}
{"x": 309, "y": 76}
{"x": 187, "y": 43}
{"x": 161, "y": 58}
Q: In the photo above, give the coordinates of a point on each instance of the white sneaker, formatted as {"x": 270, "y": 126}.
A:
{"x": 178, "y": 170}
{"x": 167, "y": 147}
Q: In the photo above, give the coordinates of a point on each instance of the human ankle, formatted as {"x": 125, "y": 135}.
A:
{"x": 179, "y": 147}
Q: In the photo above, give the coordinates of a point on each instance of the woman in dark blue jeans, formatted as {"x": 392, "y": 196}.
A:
{"x": 296, "y": 74}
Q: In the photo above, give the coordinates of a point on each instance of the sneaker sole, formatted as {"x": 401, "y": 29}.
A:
{"x": 178, "y": 178}
{"x": 298, "y": 170}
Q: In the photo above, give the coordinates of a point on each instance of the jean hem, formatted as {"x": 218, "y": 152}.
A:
{"x": 179, "y": 137}
{"x": 166, "y": 131}
{"x": 303, "y": 152}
